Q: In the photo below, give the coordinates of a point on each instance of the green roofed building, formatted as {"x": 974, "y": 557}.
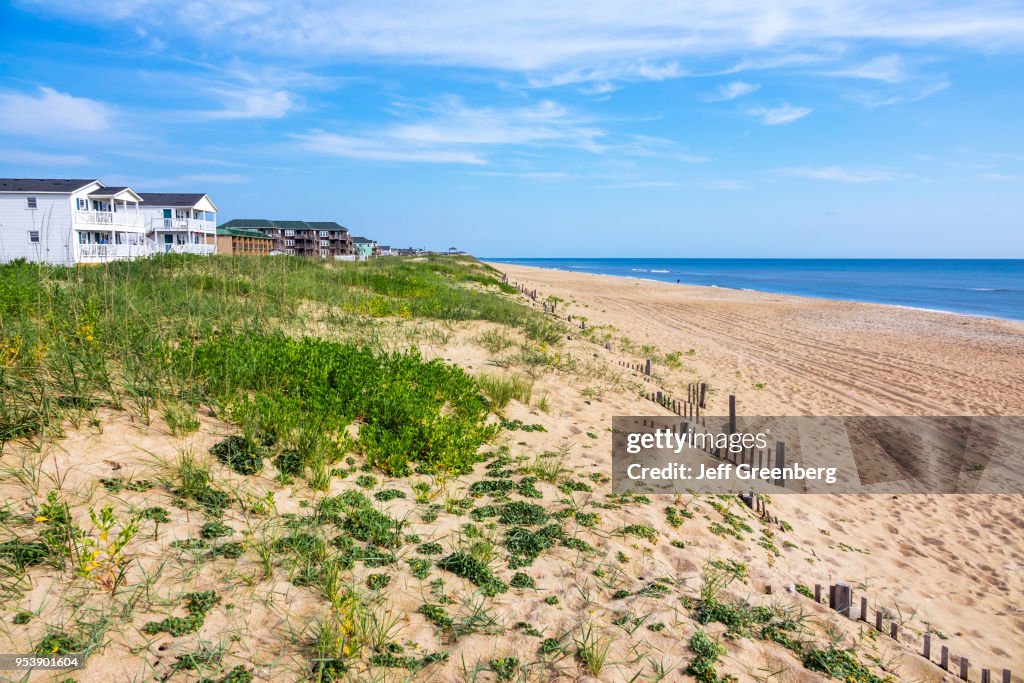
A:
{"x": 363, "y": 248}
{"x": 242, "y": 241}
{"x": 323, "y": 239}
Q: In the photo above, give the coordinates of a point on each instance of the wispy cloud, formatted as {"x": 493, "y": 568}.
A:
{"x": 887, "y": 69}
{"x": 49, "y": 113}
{"x": 840, "y": 174}
{"x": 252, "y": 104}
{"x": 540, "y": 35}
{"x": 21, "y": 156}
{"x": 604, "y": 80}
{"x": 900, "y": 94}
{"x": 449, "y": 131}
{"x": 731, "y": 91}
{"x": 775, "y": 116}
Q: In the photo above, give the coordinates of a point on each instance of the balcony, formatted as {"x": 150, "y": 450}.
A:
{"x": 116, "y": 219}
{"x": 201, "y": 249}
{"x": 182, "y": 225}
{"x": 98, "y": 253}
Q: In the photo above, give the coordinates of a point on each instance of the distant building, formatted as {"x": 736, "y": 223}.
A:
{"x": 181, "y": 223}
{"x": 67, "y": 221}
{"x": 243, "y": 242}
{"x": 363, "y": 247}
{"x": 322, "y": 239}
{"x": 385, "y": 250}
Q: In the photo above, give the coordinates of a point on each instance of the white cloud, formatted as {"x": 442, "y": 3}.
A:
{"x": 730, "y": 91}
{"x": 902, "y": 95}
{"x": 602, "y": 80}
{"x": 252, "y": 104}
{"x": 449, "y": 131}
{"x": 553, "y": 35}
{"x": 775, "y": 116}
{"x": 888, "y": 69}
{"x": 49, "y": 113}
{"x": 21, "y": 156}
{"x": 839, "y": 174}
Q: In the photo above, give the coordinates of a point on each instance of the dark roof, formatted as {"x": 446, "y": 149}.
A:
{"x": 241, "y": 232}
{"x": 42, "y": 184}
{"x": 248, "y": 223}
{"x": 361, "y": 240}
{"x": 283, "y": 225}
{"x": 108, "y": 191}
{"x": 171, "y": 198}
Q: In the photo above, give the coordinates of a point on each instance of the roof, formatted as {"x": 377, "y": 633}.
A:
{"x": 248, "y": 223}
{"x": 61, "y": 185}
{"x": 114, "y": 193}
{"x": 284, "y": 225}
{"x": 179, "y": 199}
{"x": 361, "y": 240}
{"x": 241, "y": 232}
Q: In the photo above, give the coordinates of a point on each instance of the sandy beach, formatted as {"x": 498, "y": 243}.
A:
{"x": 955, "y": 561}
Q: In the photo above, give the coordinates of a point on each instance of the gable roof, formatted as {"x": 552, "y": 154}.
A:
{"x": 361, "y": 240}
{"x": 174, "y": 199}
{"x": 284, "y": 225}
{"x": 247, "y": 223}
{"x": 326, "y": 225}
{"x": 242, "y": 232}
{"x": 116, "y": 193}
{"x": 58, "y": 185}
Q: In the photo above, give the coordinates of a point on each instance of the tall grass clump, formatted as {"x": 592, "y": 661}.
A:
{"x": 501, "y": 390}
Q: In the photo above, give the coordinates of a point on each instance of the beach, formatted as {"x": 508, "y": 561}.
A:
{"x": 955, "y": 561}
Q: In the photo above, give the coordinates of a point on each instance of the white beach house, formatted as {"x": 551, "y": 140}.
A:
{"x": 181, "y": 223}
{"x": 67, "y": 221}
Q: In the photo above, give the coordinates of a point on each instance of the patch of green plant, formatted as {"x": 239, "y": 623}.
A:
{"x": 59, "y": 643}
{"x": 527, "y": 488}
{"x": 551, "y": 646}
{"x": 198, "y": 605}
{"x": 156, "y": 514}
{"x": 641, "y": 531}
{"x": 519, "y": 512}
{"x": 430, "y": 548}
{"x": 841, "y": 664}
{"x": 481, "y": 513}
{"x": 211, "y": 530}
{"x": 521, "y": 580}
{"x": 551, "y": 600}
{"x": 231, "y": 550}
{"x": 240, "y": 454}
{"x": 526, "y": 545}
{"x": 436, "y": 615}
{"x": 588, "y": 519}
{"x": 377, "y": 581}
{"x": 419, "y": 567}
{"x": 24, "y": 554}
{"x": 519, "y": 425}
{"x": 491, "y": 487}
{"x": 366, "y": 481}
{"x": 470, "y": 568}
{"x": 22, "y": 617}
{"x": 568, "y": 487}
{"x": 707, "y": 651}
{"x": 505, "y": 667}
{"x": 388, "y": 494}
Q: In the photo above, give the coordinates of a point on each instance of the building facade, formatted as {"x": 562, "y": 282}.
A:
{"x": 67, "y": 221}
{"x": 319, "y": 239}
{"x": 364, "y": 248}
{"x": 243, "y": 242}
{"x": 181, "y": 223}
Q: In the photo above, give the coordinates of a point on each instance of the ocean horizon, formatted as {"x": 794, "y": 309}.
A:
{"x": 992, "y": 288}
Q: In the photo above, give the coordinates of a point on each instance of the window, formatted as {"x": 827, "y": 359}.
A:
{"x": 289, "y": 233}
{"x": 324, "y": 233}
{"x": 30, "y": 202}
{"x": 289, "y": 243}
{"x": 290, "y": 252}
{"x": 33, "y": 236}
{"x": 325, "y": 243}
{"x": 83, "y": 205}
{"x": 323, "y": 253}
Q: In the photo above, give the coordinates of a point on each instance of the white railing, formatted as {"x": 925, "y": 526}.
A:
{"x": 202, "y": 249}
{"x": 182, "y": 224}
{"x": 118, "y": 218}
{"x": 112, "y": 252}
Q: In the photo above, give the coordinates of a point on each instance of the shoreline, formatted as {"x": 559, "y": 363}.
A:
{"x": 499, "y": 264}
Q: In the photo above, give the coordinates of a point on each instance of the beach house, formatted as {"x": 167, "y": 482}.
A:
{"x": 243, "y": 242}
{"x": 363, "y": 247}
{"x": 321, "y": 239}
{"x": 65, "y": 221}
{"x": 181, "y": 223}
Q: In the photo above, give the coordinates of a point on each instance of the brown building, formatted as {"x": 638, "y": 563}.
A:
{"x": 322, "y": 239}
{"x": 242, "y": 242}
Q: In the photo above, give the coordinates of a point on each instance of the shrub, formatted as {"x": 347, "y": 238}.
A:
{"x": 240, "y": 454}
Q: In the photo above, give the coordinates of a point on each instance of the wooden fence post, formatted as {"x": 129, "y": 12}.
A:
{"x": 863, "y": 609}
{"x": 944, "y": 658}
{"x": 1007, "y": 676}
{"x": 965, "y": 665}
{"x": 878, "y": 621}
{"x": 647, "y": 368}
{"x": 927, "y": 646}
{"x": 732, "y": 414}
{"x": 894, "y": 631}
{"x": 841, "y": 598}
{"x": 986, "y": 676}
{"x": 817, "y": 592}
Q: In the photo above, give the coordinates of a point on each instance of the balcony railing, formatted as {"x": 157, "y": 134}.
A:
{"x": 119, "y": 219}
{"x": 112, "y": 252}
{"x": 182, "y": 224}
{"x": 202, "y": 249}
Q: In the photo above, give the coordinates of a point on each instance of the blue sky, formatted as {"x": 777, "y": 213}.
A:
{"x": 742, "y": 128}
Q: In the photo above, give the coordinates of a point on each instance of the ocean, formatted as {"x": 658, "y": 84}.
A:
{"x": 986, "y": 287}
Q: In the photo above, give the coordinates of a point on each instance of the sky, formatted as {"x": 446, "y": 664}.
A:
{"x": 735, "y": 128}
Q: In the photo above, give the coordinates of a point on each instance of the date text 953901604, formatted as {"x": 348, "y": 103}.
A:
{"x": 27, "y": 662}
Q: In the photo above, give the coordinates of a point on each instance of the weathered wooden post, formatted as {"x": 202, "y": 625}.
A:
{"x": 878, "y": 621}
{"x": 894, "y": 631}
{"x": 732, "y": 414}
{"x": 817, "y": 592}
{"x": 927, "y": 646}
{"x": 608, "y": 346}
{"x": 647, "y": 368}
{"x": 840, "y": 598}
{"x": 986, "y": 676}
{"x": 944, "y": 658}
{"x": 965, "y": 665}
{"x": 1007, "y": 676}
{"x": 658, "y": 395}
{"x": 863, "y": 609}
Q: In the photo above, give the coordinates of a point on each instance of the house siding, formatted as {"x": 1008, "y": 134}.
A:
{"x": 52, "y": 217}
